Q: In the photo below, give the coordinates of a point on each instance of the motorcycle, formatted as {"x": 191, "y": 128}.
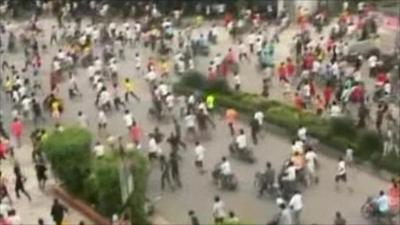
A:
{"x": 246, "y": 155}
{"x": 273, "y": 191}
{"x": 227, "y": 183}
{"x": 369, "y": 210}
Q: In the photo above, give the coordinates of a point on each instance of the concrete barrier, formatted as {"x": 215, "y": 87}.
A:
{"x": 79, "y": 206}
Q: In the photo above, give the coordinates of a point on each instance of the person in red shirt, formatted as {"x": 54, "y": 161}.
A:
{"x": 394, "y": 196}
{"x": 16, "y": 129}
{"x": 211, "y": 74}
{"x": 3, "y": 148}
{"x": 312, "y": 87}
{"x": 282, "y": 72}
{"x": 135, "y": 133}
{"x": 230, "y": 57}
{"x": 327, "y": 95}
{"x": 289, "y": 67}
{"x": 308, "y": 61}
{"x": 381, "y": 79}
{"x": 357, "y": 94}
{"x": 298, "y": 102}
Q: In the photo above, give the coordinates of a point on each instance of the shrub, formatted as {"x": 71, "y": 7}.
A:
{"x": 140, "y": 171}
{"x": 194, "y": 80}
{"x": 283, "y": 117}
{"x": 343, "y": 126}
{"x": 217, "y": 86}
{"x": 97, "y": 181}
{"x": 368, "y": 142}
{"x": 104, "y": 184}
{"x": 69, "y": 154}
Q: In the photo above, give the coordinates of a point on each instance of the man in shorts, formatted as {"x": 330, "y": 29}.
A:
{"x": 341, "y": 175}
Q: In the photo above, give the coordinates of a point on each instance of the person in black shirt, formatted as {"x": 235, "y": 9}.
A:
{"x": 255, "y": 129}
{"x": 40, "y": 167}
{"x": 165, "y": 172}
{"x": 57, "y": 212}
{"x": 20, "y": 182}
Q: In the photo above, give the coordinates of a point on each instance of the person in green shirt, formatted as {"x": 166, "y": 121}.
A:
{"x": 210, "y": 102}
{"x": 232, "y": 219}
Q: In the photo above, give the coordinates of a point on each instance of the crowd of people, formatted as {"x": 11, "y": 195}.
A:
{"x": 320, "y": 74}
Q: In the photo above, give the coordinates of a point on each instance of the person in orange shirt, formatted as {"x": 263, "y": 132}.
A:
{"x": 230, "y": 118}
{"x": 319, "y": 104}
{"x": 298, "y": 161}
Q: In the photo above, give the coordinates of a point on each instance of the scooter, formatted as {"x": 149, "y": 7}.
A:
{"x": 246, "y": 155}
{"x": 225, "y": 183}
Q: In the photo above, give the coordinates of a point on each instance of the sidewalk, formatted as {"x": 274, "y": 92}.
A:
{"x": 41, "y": 201}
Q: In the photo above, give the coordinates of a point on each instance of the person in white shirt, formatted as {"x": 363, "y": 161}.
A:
{"x": 218, "y": 210}
{"x": 311, "y": 162}
{"x": 26, "y": 107}
{"x": 236, "y": 81}
{"x": 297, "y": 147}
{"x": 102, "y": 121}
{"x": 259, "y": 116}
{"x": 98, "y": 150}
{"x": 302, "y": 133}
{"x": 83, "y": 120}
{"x": 296, "y": 204}
{"x": 154, "y": 148}
{"x": 290, "y": 173}
{"x": 128, "y": 118}
{"x": 190, "y": 123}
{"x": 372, "y": 63}
{"x": 241, "y": 140}
{"x": 151, "y": 76}
{"x": 225, "y": 167}
{"x": 336, "y": 111}
{"x": 341, "y": 174}
{"x": 199, "y": 151}
{"x": 251, "y": 39}
{"x": 170, "y": 101}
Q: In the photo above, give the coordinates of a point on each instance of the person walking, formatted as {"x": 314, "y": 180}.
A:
{"x": 128, "y": 85}
{"x": 40, "y": 168}
{"x": 218, "y": 210}
{"x": 58, "y": 211}
{"x": 20, "y": 180}
{"x": 339, "y": 220}
{"x": 16, "y": 129}
{"x": 296, "y": 205}
{"x": 199, "y": 151}
{"x": 255, "y": 130}
{"x": 230, "y": 118}
{"x": 174, "y": 163}
{"x": 193, "y": 218}
{"x": 165, "y": 172}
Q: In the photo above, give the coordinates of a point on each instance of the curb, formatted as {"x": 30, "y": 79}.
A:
{"x": 79, "y": 206}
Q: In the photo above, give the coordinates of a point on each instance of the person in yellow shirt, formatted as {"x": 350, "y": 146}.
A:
{"x": 8, "y": 87}
{"x": 128, "y": 86}
{"x": 164, "y": 68}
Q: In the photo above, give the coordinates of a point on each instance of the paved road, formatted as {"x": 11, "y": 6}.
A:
{"x": 320, "y": 201}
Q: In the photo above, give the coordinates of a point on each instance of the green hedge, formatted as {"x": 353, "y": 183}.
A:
{"x": 96, "y": 181}
{"x": 339, "y": 133}
{"x": 69, "y": 154}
